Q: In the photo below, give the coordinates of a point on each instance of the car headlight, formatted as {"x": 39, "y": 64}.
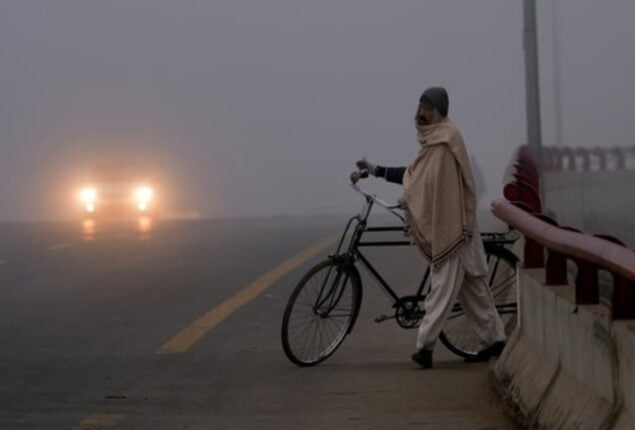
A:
{"x": 142, "y": 196}
{"x": 88, "y": 195}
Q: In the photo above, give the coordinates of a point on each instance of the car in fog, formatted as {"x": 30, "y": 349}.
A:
{"x": 117, "y": 190}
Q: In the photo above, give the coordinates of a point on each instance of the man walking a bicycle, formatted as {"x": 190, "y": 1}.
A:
{"x": 440, "y": 204}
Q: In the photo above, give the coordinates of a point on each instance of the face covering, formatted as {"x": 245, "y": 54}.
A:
{"x": 420, "y": 120}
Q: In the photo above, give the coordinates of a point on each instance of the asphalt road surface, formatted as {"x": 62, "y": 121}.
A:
{"x": 176, "y": 325}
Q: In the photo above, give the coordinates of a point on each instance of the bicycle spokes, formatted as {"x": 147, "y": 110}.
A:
{"x": 319, "y": 313}
{"x": 330, "y": 293}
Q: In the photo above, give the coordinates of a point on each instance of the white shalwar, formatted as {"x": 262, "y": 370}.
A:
{"x": 461, "y": 276}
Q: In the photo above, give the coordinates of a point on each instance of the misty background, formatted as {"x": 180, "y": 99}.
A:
{"x": 251, "y": 108}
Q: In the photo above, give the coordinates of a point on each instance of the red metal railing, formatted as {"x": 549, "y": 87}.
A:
{"x": 589, "y": 253}
{"x": 545, "y": 238}
{"x": 521, "y": 179}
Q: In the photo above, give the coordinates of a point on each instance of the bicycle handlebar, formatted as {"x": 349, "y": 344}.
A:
{"x": 374, "y": 198}
{"x": 392, "y": 208}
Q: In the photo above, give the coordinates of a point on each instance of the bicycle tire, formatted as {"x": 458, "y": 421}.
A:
{"x": 311, "y": 331}
{"x": 458, "y": 332}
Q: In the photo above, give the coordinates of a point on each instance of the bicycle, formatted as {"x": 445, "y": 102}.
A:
{"x": 324, "y": 306}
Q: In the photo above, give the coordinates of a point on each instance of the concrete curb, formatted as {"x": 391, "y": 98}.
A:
{"x": 567, "y": 366}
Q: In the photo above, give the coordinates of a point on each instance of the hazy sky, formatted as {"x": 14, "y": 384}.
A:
{"x": 261, "y": 107}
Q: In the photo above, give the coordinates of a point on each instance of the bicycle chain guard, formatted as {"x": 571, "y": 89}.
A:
{"x": 407, "y": 311}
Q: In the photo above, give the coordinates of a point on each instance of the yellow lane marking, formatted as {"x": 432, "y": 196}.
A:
{"x": 100, "y": 421}
{"x": 191, "y": 334}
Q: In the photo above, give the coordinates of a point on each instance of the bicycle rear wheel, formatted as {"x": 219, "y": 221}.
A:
{"x": 320, "y": 312}
{"x": 458, "y": 333}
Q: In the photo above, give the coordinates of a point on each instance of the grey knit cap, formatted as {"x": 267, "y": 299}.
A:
{"x": 438, "y": 98}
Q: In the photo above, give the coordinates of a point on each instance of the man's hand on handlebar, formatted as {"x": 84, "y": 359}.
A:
{"x": 358, "y": 174}
{"x": 364, "y": 164}
{"x": 365, "y": 168}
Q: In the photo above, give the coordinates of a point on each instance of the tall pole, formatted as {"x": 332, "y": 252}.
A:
{"x": 557, "y": 93}
{"x": 532, "y": 86}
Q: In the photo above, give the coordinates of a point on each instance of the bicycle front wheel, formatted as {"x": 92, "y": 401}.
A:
{"x": 320, "y": 312}
{"x": 458, "y": 333}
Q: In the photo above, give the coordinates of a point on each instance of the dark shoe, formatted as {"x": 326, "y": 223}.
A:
{"x": 494, "y": 350}
{"x": 423, "y": 358}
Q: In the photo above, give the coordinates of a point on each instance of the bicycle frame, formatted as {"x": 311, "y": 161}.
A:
{"x": 353, "y": 252}
{"x": 407, "y": 310}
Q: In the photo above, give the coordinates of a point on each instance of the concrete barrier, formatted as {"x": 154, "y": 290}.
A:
{"x": 624, "y": 335}
{"x": 568, "y": 366}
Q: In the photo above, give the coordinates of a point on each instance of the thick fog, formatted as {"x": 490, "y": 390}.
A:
{"x": 253, "y": 107}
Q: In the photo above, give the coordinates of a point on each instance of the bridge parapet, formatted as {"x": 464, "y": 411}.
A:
{"x": 571, "y": 360}
{"x": 558, "y": 159}
{"x": 591, "y": 189}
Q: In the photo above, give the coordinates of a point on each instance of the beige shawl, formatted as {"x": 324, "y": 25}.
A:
{"x": 439, "y": 192}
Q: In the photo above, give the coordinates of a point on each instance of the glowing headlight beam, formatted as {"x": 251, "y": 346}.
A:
{"x": 143, "y": 195}
{"x": 88, "y": 195}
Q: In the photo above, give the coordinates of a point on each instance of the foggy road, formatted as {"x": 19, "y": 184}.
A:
{"x": 237, "y": 121}
{"x": 87, "y": 309}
